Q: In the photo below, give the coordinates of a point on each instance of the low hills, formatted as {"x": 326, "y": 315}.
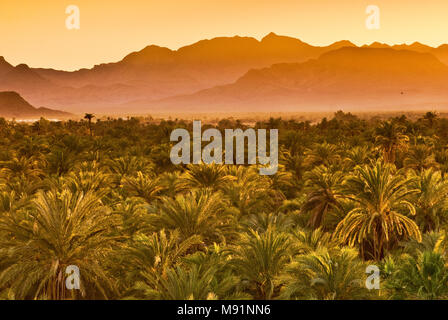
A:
{"x": 12, "y": 105}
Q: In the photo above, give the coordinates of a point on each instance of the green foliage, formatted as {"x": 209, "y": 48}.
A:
{"x": 104, "y": 196}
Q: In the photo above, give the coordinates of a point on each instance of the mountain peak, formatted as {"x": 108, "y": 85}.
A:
{"x": 273, "y": 37}
{"x": 151, "y": 52}
{"x": 343, "y": 43}
{"x": 378, "y": 45}
{"x": 22, "y": 66}
{"x": 270, "y": 36}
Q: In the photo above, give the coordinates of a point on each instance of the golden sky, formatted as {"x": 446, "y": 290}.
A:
{"x": 34, "y": 31}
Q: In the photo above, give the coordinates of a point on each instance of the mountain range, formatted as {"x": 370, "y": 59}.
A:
{"x": 277, "y": 73}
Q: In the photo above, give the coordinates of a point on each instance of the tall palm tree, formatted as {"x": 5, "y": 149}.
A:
{"x": 323, "y": 194}
{"x": 376, "y": 223}
{"x": 89, "y": 117}
{"x": 61, "y": 229}
{"x": 390, "y": 138}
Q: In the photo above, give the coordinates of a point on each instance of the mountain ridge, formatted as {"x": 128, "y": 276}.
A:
{"x": 348, "y": 77}
{"x": 157, "y": 73}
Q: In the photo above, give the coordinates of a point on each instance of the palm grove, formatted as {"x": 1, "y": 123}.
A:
{"x": 105, "y": 197}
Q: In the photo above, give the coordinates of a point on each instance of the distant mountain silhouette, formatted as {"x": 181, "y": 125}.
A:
{"x": 350, "y": 78}
{"x": 12, "y": 105}
{"x": 276, "y": 72}
{"x": 440, "y": 52}
{"x": 156, "y": 72}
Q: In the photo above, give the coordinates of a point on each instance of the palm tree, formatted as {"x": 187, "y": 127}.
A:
{"x": 422, "y": 277}
{"x": 127, "y": 166}
{"x": 60, "y": 161}
{"x": 85, "y": 181}
{"x": 199, "y": 213}
{"x": 23, "y": 166}
{"x": 390, "y": 138}
{"x": 248, "y": 192}
{"x": 376, "y": 223}
{"x": 143, "y": 186}
{"x": 61, "y": 229}
{"x": 324, "y": 275}
{"x": 293, "y": 163}
{"x": 308, "y": 241}
{"x": 357, "y": 156}
{"x": 178, "y": 284}
{"x": 430, "y": 118}
{"x": 420, "y": 157}
{"x": 205, "y": 176}
{"x": 323, "y": 192}
{"x": 158, "y": 252}
{"x": 259, "y": 259}
{"x": 431, "y": 201}
{"x": 89, "y": 117}
{"x": 321, "y": 154}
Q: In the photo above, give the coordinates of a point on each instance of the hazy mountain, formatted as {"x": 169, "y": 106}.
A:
{"x": 440, "y": 52}
{"x": 157, "y": 72}
{"x": 12, "y": 105}
{"x": 348, "y": 78}
{"x": 275, "y": 72}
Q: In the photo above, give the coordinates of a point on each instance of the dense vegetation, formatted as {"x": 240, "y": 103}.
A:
{"x": 104, "y": 196}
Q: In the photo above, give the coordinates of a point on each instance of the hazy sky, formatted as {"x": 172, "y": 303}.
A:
{"x": 34, "y": 31}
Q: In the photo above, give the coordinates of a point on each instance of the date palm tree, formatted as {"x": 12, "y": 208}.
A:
{"x": 159, "y": 251}
{"x": 203, "y": 175}
{"x": 248, "y": 192}
{"x": 143, "y": 186}
{"x": 59, "y": 230}
{"x": 324, "y": 275}
{"x": 431, "y": 201}
{"x": 379, "y": 219}
{"x": 321, "y": 154}
{"x": 178, "y": 284}
{"x": 390, "y": 138}
{"x": 259, "y": 258}
{"x": 201, "y": 213}
{"x": 323, "y": 194}
{"x": 89, "y": 117}
{"x": 420, "y": 157}
{"x": 421, "y": 277}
